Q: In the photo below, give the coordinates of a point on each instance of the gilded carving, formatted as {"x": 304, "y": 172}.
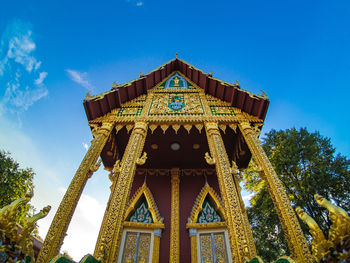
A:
{"x": 338, "y": 234}
{"x": 152, "y": 207}
{"x": 319, "y": 243}
{"x": 294, "y": 235}
{"x": 174, "y": 256}
{"x": 197, "y": 207}
{"x": 59, "y": 225}
{"x": 210, "y": 160}
{"x": 176, "y": 104}
{"x": 230, "y": 196}
{"x": 111, "y": 228}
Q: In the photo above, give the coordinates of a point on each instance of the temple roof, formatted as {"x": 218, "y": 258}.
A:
{"x": 99, "y": 105}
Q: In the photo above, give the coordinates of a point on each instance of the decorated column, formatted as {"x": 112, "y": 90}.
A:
{"x": 229, "y": 193}
{"x": 63, "y": 216}
{"x": 248, "y": 230}
{"x": 107, "y": 246}
{"x": 194, "y": 251}
{"x": 156, "y": 244}
{"x": 175, "y": 217}
{"x": 292, "y": 230}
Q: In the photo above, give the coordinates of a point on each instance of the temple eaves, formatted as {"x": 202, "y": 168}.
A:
{"x": 253, "y": 104}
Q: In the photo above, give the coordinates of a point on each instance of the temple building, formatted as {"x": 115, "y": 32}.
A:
{"x": 174, "y": 141}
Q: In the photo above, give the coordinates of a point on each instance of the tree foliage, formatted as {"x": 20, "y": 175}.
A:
{"x": 307, "y": 164}
{"x": 15, "y": 182}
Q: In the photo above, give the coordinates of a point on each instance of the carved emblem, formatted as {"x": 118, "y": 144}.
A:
{"x": 176, "y": 103}
{"x": 176, "y": 82}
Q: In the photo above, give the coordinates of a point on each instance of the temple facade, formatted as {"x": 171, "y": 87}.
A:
{"x": 174, "y": 141}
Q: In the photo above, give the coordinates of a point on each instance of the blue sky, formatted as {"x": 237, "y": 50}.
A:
{"x": 53, "y": 52}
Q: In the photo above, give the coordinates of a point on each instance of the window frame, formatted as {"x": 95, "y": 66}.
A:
{"x": 136, "y": 230}
{"x": 210, "y": 231}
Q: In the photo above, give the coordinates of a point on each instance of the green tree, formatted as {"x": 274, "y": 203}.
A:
{"x": 14, "y": 183}
{"x": 307, "y": 164}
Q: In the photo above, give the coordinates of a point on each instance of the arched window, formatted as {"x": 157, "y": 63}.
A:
{"x": 142, "y": 229}
{"x": 207, "y": 227}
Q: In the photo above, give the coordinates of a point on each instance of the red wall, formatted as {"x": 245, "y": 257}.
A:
{"x": 160, "y": 186}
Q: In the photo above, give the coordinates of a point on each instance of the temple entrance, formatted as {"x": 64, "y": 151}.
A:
{"x": 174, "y": 141}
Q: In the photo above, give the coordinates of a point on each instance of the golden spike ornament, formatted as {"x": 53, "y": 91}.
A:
{"x": 113, "y": 175}
{"x": 94, "y": 168}
{"x": 210, "y": 160}
{"x": 142, "y": 160}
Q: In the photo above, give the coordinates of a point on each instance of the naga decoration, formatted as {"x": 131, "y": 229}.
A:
{"x": 17, "y": 241}
{"x": 337, "y": 247}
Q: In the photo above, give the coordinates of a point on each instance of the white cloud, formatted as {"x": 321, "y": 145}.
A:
{"x": 20, "y": 48}
{"x": 80, "y": 78}
{"x": 22, "y": 98}
{"x": 37, "y": 65}
{"x": 83, "y": 229}
{"x": 139, "y": 3}
{"x": 18, "y": 68}
{"x": 247, "y": 197}
{"x": 86, "y": 146}
{"x": 41, "y": 78}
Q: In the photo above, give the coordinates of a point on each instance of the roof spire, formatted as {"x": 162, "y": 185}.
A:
{"x": 176, "y": 54}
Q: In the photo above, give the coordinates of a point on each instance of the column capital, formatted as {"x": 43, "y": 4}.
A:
{"x": 141, "y": 127}
{"x": 212, "y": 127}
{"x": 104, "y": 129}
{"x": 193, "y": 232}
{"x": 158, "y": 232}
{"x": 245, "y": 126}
{"x": 175, "y": 175}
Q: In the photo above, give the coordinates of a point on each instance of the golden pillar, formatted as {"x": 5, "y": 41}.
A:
{"x": 156, "y": 244}
{"x": 111, "y": 229}
{"x": 194, "y": 251}
{"x": 248, "y": 230}
{"x": 292, "y": 230}
{"x": 229, "y": 193}
{"x": 175, "y": 217}
{"x": 63, "y": 216}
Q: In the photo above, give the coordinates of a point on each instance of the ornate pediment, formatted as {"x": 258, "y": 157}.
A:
{"x": 207, "y": 207}
{"x": 142, "y": 207}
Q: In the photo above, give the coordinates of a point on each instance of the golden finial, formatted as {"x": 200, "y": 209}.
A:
{"x": 176, "y": 82}
{"x": 88, "y": 95}
{"x": 176, "y": 54}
